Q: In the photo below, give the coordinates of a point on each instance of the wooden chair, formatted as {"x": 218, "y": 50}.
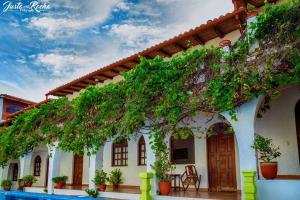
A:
{"x": 190, "y": 177}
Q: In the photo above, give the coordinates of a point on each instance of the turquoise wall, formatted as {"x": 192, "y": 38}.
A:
{"x": 1, "y": 108}
{"x": 278, "y": 189}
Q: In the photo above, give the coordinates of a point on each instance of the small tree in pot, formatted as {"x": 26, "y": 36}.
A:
{"x": 6, "y": 184}
{"x": 162, "y": 166}
{"x": 29, "y": 180}
{"x": 115, "y": 178}
{"x": 100, "y": 180}
{"x": 267, "y": 152}
{"x": 59, "y": 181}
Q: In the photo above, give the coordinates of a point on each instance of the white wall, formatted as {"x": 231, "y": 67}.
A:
{"x": 1, "y": 108}
{"x": 279, "y": 124}
{"x": 67, "y": 167}
{"x": 43, "y": 153}
{"x": 130, "y": 172}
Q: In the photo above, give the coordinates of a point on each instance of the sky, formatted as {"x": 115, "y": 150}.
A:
{"x": 44, "y": 48}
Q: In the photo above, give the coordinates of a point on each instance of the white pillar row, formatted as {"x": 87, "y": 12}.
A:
{"x": 150, "y": 161}
{"x": 25, "y": 165}
{"x": 54, "y": 165}
{"x": 96, "y": 162}
{"x": 244, "y": 130}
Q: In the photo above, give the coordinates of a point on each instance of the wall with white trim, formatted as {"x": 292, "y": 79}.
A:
{"x": 278, "y": 123}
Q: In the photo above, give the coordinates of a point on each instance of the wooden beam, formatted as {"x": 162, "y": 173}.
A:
{"x": 126, "y": 67}
{"x": 76, "y": 88}
{"x": 148, "y": 57}
{"x": 180, "y": 46}
{"x": 60, "y": 94}
{"x": 199, "y": 39}
{"x": 111, "y": 71}
{"x": 89, "y": 81}
{"x": 115, "y": 71}
{"x": 161, "y": 51}
{"x": 218, "y": 31}
{"x": 81, "y": 84}
{"x": 122, "y": 69}
{"x": 69, "y": 91}
{"x": 103, "y": 76}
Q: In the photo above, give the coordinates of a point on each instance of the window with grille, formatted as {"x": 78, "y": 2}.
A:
{"x": 15, "y": 172}
{"x": 37, "y": 166}
{"x": 142, "y": 158}
{"x": 120, "y": 154}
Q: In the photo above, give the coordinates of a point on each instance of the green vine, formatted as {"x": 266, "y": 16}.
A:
{"x": 164, "y": 92}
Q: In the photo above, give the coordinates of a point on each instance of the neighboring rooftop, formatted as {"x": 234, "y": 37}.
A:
{"x": 10, "y": 117}
{"x": 17, "y": 99}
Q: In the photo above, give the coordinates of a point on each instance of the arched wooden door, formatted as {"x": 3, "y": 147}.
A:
{"x": 221, "y": 162}
{"x": 78, "y": 170}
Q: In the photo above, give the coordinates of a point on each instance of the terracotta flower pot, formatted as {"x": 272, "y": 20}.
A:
{"x": 6, "y": 188}
{"x": 115, "y": 186}
{"x": 101, "y": 188}
{"x": 28, "y": 184}
{"x": 269, "y": 169}
{"x": 59, "y": 185}
{"x": 164, "y": 188}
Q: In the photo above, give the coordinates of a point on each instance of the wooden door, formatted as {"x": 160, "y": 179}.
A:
{"x": 47, "y": 172}
{"x": 221, "y": 162}
{"x": 78, "y": 170}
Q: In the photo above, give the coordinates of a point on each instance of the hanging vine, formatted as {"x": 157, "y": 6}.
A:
{"x": 158, "y": 94}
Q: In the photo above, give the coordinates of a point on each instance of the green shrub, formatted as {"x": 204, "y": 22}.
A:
{"x": 100, "y": 178}
{"x": 92, "y": 193}
{"x": 115, "y": 177}
{"x": 266, "y": 149}
{"x": 29, "y": 179}
{"x": 59, "y": 179}
{"x": 6, "y": 184}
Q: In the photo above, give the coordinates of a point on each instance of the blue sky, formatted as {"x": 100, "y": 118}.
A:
{"x": 42, "y": 50}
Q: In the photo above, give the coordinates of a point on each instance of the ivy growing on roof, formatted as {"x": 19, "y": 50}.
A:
{"x": 159, "y": 94}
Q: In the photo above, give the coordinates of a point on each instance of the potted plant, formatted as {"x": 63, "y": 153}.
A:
{"x": 115, "y": 178}
{"x": 6, "y": 184}
{"x": 267, "y": 152}
{"x": 28, "y": 180}
{"x": 162, "y": 166}
{"x": 100, "y": 180}
{"x": 59, "y": 181}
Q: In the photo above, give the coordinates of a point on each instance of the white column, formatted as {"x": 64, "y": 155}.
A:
{"x": 244, "y": 130}
{"x": 4, "y": 171}
{"x": 54, "y": 165}
{"x": 96, "y": 162}
{"x": 150, "y": 161}
{"x": 25, "y": 164}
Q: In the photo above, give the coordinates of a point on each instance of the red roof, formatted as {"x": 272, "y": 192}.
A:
{"x": 199, "y": 35}
{"x": 17, "y": 99}
{"x": 13, "y": 115}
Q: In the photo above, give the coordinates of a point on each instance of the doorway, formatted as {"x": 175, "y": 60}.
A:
{"x": 221, "y": 160}
{"x": 78, "y": 170}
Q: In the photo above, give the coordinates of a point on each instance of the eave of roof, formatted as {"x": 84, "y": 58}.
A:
{"x": 197, "y": 36}
{"x": 17, "y": 99}
{"x": 13, "y": 115}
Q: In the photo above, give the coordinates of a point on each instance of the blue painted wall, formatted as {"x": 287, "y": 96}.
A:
{"x": 278, "y": 189}
{"x": 1, "y": 108}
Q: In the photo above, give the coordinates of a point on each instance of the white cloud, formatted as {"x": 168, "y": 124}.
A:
{"x": 88, "y": 14}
